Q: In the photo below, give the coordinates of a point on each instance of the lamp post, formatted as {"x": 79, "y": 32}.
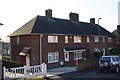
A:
{"x": 99, "y": 20}
{"x": 99, "y": 34}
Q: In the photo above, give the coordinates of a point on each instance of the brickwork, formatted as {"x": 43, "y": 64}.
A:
{"x": 33, "y": 41}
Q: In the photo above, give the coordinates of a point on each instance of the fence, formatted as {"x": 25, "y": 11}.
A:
{"x": 26, "y": 71}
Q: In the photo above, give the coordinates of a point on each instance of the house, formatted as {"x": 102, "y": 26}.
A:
{"x": 117, "y": 34}
{"x": 57, "y": 42}
{"x": 5, "y": 48}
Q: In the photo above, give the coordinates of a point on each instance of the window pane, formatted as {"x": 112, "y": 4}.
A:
{"x": 103, "y": 39}
{"x": 77, "y": 39}
{"x": 66, "y": 39}
{"x": 77, "y": 55}
{"x": 96, "y": 39}
{"x": 53, "y": 57}
{"x": 52, "y": 39}
{"x": 109, "y": 39}
{"x": 88, "y": 39}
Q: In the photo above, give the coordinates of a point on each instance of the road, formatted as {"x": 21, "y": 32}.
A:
{"x": 111, "y": 75}
{"x": 91, "y": 74}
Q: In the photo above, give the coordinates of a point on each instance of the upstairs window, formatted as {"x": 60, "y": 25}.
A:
{"x": 96, "y": 39}
{"x": 18, "y": 40}
{"x": 88, "y": 39}
{"x": 109, "y": 39}
{"x": 66, "y": 39}
{"x": 52, "y": 39}
{"x": 77, "y": 39}
{"x": 103, "y": 39}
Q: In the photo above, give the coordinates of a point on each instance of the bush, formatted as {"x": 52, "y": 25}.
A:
{"x": 115, "y": 51}
{"x": 98, "y": 54}
{"x": 6, "y": 57}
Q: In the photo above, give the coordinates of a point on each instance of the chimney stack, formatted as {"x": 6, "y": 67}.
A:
{"x": 48, "y": 13}
{"x": 74, "y": 16}
{"x": 92, "y": 20}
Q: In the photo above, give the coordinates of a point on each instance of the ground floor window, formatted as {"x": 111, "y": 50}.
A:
{"x": 96, "y": 49}
{"x": 77, "y": 55}
{"x": 53, "y": 57}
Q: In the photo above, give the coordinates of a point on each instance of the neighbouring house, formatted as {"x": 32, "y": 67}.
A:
{"x": 57, "y": 42}
{"x": 5, "y": 48}
{"x": 117, "y": 34}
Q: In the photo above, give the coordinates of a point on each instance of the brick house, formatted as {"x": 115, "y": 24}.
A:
{"x": 117, "y": 34}
{"x": 58, "y": 42}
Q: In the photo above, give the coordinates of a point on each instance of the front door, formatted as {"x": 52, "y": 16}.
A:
{"x": 66, "y": 56}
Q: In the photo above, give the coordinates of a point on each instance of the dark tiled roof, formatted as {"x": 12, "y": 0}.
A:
{"x": 44, "y": 25}
{"x": 73, "y": 48}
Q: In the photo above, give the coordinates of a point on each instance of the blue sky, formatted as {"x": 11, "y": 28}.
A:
{"x": 15, "y": 13}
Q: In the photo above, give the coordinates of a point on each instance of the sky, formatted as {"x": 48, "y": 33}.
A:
{"x": 15, "y": 13}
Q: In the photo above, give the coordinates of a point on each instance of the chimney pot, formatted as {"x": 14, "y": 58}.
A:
{"x": 74, "y": 16}
{"x": 92, "y": 20}
{"x": 48, "y": 13}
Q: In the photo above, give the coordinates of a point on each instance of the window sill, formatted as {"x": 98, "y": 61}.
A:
{"x": 53, "y": 62}
{"x": 77, "y": 42}
{"x": 52, "y": 42}
{"x": 78, "y": 59}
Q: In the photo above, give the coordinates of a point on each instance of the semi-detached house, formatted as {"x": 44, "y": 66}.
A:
{"x": 56, "y": 41}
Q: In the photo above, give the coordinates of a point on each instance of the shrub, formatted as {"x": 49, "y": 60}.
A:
{"x": 6, "y": 57}
{"x": 115, "y": 51}
{"x": 98, "y": 54}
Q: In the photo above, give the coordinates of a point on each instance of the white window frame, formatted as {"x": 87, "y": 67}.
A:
{"x": 52, "y": 39}
{"x": 53, "y": 57}
{"x": 103, "y": 39}
{"x": 109, "y": 39}
{"x": 96, "y": 39}
{"x": 77, "y": 39}
{"x": 18, "y": 40}
{"x": 66, "y": 39}
{"x": 88, "y": 39}
{"x": 66, "y": 56}
{"x": 77, "y": 55}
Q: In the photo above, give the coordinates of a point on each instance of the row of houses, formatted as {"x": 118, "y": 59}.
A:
{"x": 57, "y": 42}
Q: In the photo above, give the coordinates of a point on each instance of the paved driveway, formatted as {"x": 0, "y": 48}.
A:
{"x": 60, "y": 70}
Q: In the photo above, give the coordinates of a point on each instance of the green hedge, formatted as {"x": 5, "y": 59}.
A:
{"x": 6, "y": 57}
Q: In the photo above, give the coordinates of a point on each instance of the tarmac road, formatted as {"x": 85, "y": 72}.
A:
{"x": 90, "y": 74}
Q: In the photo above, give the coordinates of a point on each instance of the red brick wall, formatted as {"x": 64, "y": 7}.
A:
{"x": 33, "y": 41}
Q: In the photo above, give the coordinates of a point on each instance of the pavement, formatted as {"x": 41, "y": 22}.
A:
{"x": 60, "y": 70}
{"x": 68, "y": 72}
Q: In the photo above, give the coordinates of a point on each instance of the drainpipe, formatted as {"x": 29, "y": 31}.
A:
{"x": 41, "y": 49}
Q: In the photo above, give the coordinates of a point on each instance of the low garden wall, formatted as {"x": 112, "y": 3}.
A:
{"x": 87, "y": 64}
